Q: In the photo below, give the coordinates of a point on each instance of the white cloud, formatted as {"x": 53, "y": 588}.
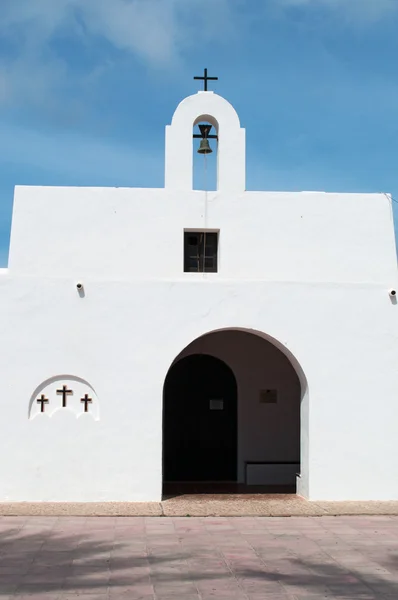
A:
{"x": 156, "y": 31}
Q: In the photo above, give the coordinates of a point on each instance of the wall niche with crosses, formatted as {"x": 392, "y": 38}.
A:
{"x": 64, "y": 394}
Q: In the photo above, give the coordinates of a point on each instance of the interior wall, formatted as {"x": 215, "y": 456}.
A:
{"x": 266, "y": 432}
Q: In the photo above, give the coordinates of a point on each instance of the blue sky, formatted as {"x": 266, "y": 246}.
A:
{"x": 87, "y": 86}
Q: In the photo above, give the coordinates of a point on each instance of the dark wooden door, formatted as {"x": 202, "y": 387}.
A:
{"x": 200, "y": 421}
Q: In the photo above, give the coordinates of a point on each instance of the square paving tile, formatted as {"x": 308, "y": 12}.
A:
{"x": 199, "y": 558}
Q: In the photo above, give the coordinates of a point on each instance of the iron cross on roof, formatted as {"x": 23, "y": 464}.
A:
{"x": 205, "y": 79}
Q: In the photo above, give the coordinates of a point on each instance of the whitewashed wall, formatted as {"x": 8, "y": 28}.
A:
{"x": 122, "y": 338}
{"x": 310, "y": 271}
{"x": 135, "y": 234}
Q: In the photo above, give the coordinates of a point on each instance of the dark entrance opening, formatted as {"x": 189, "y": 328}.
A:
{"x": 200, "y": 421}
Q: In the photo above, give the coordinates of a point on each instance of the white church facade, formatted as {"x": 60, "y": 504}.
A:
{"x": 178, "y": 335}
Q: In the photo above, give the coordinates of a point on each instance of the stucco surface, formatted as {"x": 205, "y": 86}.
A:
{"x": 308, "y": 272}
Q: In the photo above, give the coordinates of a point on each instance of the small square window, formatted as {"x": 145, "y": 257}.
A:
{"x": 200, "y": 251}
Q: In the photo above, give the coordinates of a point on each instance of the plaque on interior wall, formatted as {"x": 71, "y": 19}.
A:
{"x": 269, "y": 396}
{"x": 217, "y": 404}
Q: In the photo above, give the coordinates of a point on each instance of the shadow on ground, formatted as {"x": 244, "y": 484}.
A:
{"x": 38, "y": 561}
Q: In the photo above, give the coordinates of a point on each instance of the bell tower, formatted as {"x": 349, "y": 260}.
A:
{"x": 206, "y": 106}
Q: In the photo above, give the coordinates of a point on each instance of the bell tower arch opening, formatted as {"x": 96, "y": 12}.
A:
{"x": 205, "y": 153}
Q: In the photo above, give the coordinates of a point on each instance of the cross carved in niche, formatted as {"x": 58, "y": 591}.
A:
{"x": 65, "y": 393}
{"x": 86, "y": 401}
{"x": 42, "y": 401}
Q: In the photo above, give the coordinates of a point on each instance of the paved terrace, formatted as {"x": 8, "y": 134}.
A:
{"x": 183, "y": 558}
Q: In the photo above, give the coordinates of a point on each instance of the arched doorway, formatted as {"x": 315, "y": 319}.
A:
{"x": 267, "y": 444}
{"x": 200, "y": 421}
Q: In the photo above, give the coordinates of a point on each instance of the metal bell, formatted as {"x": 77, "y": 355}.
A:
{"x": 204, "y": 147}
